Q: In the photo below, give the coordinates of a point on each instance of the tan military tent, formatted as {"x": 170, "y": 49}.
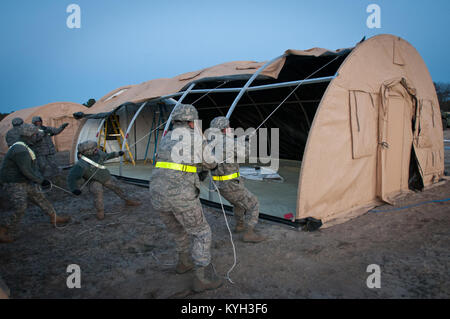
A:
{"x": 53, "y": 114}
{"x": 357, "y": 126}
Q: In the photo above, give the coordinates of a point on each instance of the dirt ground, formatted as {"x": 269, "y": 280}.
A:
{"x": 130, "y": 255}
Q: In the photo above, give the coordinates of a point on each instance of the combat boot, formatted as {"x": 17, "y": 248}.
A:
{"x": 206, "y": 279}
{"x": 130, "y": 202}
{"x": 58, "y": 220}
{"x": 4, "y": 236}
{"x": 184, "y": 263}
{"x": 250, "y": 236}
{"x": 240, "y": 226}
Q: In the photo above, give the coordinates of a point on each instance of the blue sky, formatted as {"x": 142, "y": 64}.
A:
{"x": 129, "y": 42}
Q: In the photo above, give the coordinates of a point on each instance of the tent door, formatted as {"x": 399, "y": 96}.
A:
{"x": 395, "y": 141}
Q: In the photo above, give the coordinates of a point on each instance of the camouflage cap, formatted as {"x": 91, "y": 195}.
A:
{"x": 28, "y": 130}
{"x": 36, "y": 119}
{"x": 185, "y": 113}
{"x": 220, "y": 122}
{"x": 17, "y": 121}
{"x": 86, "y": 146}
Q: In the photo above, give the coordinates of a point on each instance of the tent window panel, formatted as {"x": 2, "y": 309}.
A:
{"x": 363, "y": 122}
{"x": 426, "y": 124}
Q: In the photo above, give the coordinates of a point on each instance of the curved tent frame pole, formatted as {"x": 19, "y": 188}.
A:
{"x": 176, "y": 105}
{"x": 128, "y": 131}
{"x": 100, "y": 127}
{"x": 245, "y": 87}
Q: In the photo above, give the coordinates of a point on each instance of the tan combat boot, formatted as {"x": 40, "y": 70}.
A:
{"x": 58, "y": 220}
{"x": 4, "y": 236}
{"x": 250, "y": 236}
{"x": 206, "y": 279}
{"x": 130, "y": 202}
{"x": 240, "y": 226}
{"x": 184, "y": 263}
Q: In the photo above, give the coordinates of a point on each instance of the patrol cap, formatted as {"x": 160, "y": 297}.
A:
{"x": 220, "y": 122}
{"x": 85, "y": 146}
{"x": 28, "y": 130}
{"x": 185, "y": 113}
{"x": 17, "y": 121}
{"x": 36, "y": 119}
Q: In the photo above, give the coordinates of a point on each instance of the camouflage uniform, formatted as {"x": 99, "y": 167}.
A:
{"x": 233, "y": 190}
{"x": 175, "y": 194}
{"x": 19, "y": 173}
{"x": 4, "y": 290}
{"x": 13, "y": 135}
{"x": 45, "y": 149}
{"x": 98, "y": 177}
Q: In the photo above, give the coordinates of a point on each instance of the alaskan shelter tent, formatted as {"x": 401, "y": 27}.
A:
{"x": 52, "y": 114}
{"x": 357, "y": 126}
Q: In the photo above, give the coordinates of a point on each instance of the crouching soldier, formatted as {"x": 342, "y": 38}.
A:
{"x": 18, "y": 173}
{"x": 90, "y": 167}
{"x": 231, "y": 186}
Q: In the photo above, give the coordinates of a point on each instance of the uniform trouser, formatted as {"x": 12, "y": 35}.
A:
{"x": 19, "y": 194}
{"x": 185, "y": 221}
{"x": 48, "y": 166}
{"x": 96, "y": 188}
{"x": 243, "y": 201}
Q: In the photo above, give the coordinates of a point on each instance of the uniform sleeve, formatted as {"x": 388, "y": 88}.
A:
{"x": 111, "y": 155}
{"x": 75, "y": 174}
{"x": 24, "y": 163}
{"x": 53, "y": 130}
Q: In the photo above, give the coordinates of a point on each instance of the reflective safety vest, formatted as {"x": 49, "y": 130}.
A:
{"x": 177, "y": 167}
{"x": 84, "y": 158}
{"x": 226, "y": 177}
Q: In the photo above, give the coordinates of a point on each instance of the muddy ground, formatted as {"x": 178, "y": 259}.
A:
{"x": 130, "y": 255}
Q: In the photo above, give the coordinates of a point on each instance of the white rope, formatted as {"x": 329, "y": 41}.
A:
{"x": 231, "y": 235}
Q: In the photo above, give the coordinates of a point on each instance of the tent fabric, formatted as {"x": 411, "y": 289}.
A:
{"x": 160, "y": 87}
{"x": 53, "y": 114}
{"x": 337, "y": 184}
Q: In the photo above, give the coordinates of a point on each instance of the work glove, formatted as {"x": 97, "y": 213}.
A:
{"x": 65, "y": 125}
{"x": 76, "y": 192}
{"x": 202, "y": 175}
{"x": 46, "y": 184}
{"x": 121, "y": 153}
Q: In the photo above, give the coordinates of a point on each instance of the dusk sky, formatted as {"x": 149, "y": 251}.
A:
{"x": 129, "y": 42}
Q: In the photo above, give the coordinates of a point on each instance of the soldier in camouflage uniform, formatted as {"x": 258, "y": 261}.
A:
{"x": 45, "y": 149}
{"x": 13, "y": 135}
{"x": 90, "y": 167}
{"x": 18, "y": 173}
{"x": 231, "y": 185}
{"x": 174, "y": 194}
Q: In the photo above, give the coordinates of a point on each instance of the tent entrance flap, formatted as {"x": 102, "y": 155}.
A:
{"x": 398, "y": 164}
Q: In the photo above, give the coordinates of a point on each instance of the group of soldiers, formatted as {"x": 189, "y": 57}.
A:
{"x": 174, "y": 186}
{"x": 29, "y": 168}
